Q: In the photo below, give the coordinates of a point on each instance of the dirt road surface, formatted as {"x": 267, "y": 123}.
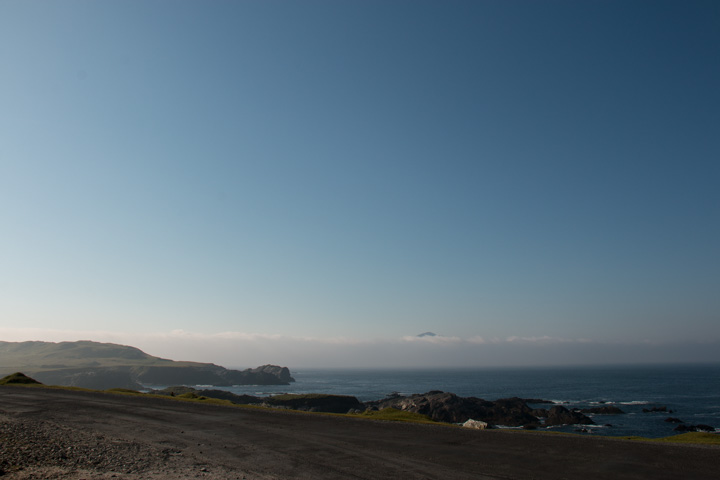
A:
{"x": 49, "y": 433}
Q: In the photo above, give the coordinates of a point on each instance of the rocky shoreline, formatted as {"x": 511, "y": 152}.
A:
{"x": 48, "y": 433}
{"x": 439, "y": 406}
{"x": 436, "y": 405}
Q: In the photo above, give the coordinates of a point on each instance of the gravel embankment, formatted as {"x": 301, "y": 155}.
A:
{"x": 36, "y": 449}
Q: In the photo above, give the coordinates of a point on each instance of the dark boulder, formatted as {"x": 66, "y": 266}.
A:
{"x": 673, "y": 420}
{"x": 559, "y": 415}
{"x": 315, "y": 402}
{"x": 513, "y": 410}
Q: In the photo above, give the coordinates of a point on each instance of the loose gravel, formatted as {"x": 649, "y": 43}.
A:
{"x": 37, "y": 449}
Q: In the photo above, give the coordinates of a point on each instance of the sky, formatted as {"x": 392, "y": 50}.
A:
{"x": 316, "y": 183}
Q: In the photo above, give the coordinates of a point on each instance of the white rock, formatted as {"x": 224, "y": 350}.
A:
{"x": 475, "y": 424}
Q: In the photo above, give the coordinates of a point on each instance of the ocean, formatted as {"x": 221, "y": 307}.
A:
{"x": 690, "y": 393}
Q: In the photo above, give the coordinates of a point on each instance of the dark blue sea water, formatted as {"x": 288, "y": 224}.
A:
{"x": 692, "y": 392}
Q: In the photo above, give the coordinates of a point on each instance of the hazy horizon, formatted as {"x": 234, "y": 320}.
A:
{"x": 237, "y": 350}
{"x": 316, "y": 183}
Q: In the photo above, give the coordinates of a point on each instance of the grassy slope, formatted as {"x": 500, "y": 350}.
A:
{"x": 18, "y": 378}
{"x": 703, "y": 438}
{"x": 33, "y": 357}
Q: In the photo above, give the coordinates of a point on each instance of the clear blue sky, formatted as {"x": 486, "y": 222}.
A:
{"x": 314, "y": 174}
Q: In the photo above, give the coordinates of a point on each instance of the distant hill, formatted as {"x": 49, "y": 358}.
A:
{"x": 427, "y": 334}
{"x": 108, "y": 365}
{"x": 18, "y": 378}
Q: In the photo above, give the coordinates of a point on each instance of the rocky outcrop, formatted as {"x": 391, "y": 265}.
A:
{"x": 449, "y": 408}
{"x": 673, "y": 420}
{"x": 315, "y": 402}
{"x": 281, "y": 373}
{"x": 559, "y": 415}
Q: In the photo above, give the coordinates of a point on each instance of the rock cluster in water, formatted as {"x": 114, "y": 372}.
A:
{"x": 436, "y": 405}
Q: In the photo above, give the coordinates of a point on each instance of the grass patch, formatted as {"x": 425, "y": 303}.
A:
{"x": 190, "y": 396}
{"x": 395, "y": 415}
{"x": 696, "y": 438}
{"x": 124, "y": 391}
{"x": 194, "y": 397}
{"x": 690, "y": 438}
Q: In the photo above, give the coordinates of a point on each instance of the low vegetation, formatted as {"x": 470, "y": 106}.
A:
{"x": 126, "y": 391}
{"x": 394, "y": 415}
{"x": 192, "y": 396}
{"x": 697, "y": 438}
{"x": 18, "y": 378}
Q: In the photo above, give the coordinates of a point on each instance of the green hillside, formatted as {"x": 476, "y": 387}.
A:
{"x": 108, "y": 365}
{"x": 18, "y": 378}
{"x": 41, "y": 356}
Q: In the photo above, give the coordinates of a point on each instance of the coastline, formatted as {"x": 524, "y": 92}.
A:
{"x": 689, "y": 390}
{"x": 195, "y": 440}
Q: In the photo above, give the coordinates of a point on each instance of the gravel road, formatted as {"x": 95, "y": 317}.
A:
{"x": 61, "y": 434}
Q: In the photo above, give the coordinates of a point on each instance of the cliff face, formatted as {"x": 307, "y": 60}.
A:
{"x": 104, "y": 365}
{"x": 210, "y": 374}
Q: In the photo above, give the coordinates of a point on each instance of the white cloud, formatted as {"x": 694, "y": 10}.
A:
{"x": 477, "y": 340}
{"x": 542, "y": 339}
{"x": 436, "y": 339}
